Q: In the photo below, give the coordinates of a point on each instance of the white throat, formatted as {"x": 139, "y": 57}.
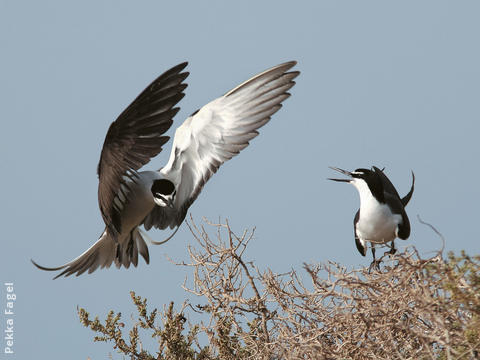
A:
{"x": 366, "y": 197}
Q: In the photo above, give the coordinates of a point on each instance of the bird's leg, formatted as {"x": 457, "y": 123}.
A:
{"x": 375, "y": 263}
{"x": 393, "y": 250}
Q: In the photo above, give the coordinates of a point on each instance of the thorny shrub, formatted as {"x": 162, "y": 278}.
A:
{"x": 413, "y": 308}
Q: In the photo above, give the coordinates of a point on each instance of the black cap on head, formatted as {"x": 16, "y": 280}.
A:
{"x": 163, "y": 186}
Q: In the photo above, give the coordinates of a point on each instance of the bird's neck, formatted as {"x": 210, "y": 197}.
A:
{"x": 368, "y": 198}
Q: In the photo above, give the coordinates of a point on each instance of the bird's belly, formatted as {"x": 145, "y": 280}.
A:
{"x": 135, "y": 213}
{"x": 140, "y": 204}
{"x": 377, "y": 225}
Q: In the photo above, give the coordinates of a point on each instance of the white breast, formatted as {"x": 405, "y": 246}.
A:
{"x": 377, "y": 224}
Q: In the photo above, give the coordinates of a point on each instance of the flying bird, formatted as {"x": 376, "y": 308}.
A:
{"x": 215, "y": 133}
{"x": 381, "y": 217}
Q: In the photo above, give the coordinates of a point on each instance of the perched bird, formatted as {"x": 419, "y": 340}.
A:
{"x": 206, "y": 139}
{"x": 381, "y": 217}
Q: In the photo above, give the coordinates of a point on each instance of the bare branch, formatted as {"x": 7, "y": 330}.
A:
{"x": 413, "y": 308}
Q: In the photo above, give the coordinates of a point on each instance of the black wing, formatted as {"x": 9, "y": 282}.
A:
{"x": 387, "y": 184}
{"x": 361, "y": 249}
{"x": 397, "y": 207}
{"x": 134, "y": 138}
{"x": 390, "y": 189}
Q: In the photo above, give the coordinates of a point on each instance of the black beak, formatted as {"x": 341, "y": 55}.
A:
{"x": 345, "y": 172}
{"x": 339, "y": 180}
{"x": 169, "y": 202}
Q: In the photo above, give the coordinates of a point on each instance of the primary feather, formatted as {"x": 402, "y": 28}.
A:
{"x": 216, "y": 133}
{"x": 133, "y": 139}
{"x": 208, "y": 138}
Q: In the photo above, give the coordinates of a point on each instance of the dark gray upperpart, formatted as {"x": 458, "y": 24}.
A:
{"x": 134, "y": 138}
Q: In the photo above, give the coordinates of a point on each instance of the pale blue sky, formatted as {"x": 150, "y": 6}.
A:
{"x": 392, "y": 84}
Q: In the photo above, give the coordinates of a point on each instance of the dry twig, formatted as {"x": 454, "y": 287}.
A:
{"x": 414, "y": 308}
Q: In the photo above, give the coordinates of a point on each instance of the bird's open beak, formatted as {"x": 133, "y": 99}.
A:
{"x": 348, "y": 173}
{"x": 168, "y": 202}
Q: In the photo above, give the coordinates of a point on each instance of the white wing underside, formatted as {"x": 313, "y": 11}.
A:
{"x": 216, "y": 133}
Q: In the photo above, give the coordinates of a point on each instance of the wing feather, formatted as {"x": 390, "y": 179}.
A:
{"x": 387, "y": 184}
{"x": 389, "y": 188}
{"x": 134, "y": 138}
{"x": 217, "y": 132}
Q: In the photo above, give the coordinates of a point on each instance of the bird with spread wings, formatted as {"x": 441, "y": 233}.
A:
{"x": 129, "y": 198}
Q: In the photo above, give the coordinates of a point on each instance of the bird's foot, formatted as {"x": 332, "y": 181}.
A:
{"x": 391, "y": 252}
{"x": 374, "y": 265}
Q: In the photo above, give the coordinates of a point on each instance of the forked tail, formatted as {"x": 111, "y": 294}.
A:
{"x": 103, "y": 253}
